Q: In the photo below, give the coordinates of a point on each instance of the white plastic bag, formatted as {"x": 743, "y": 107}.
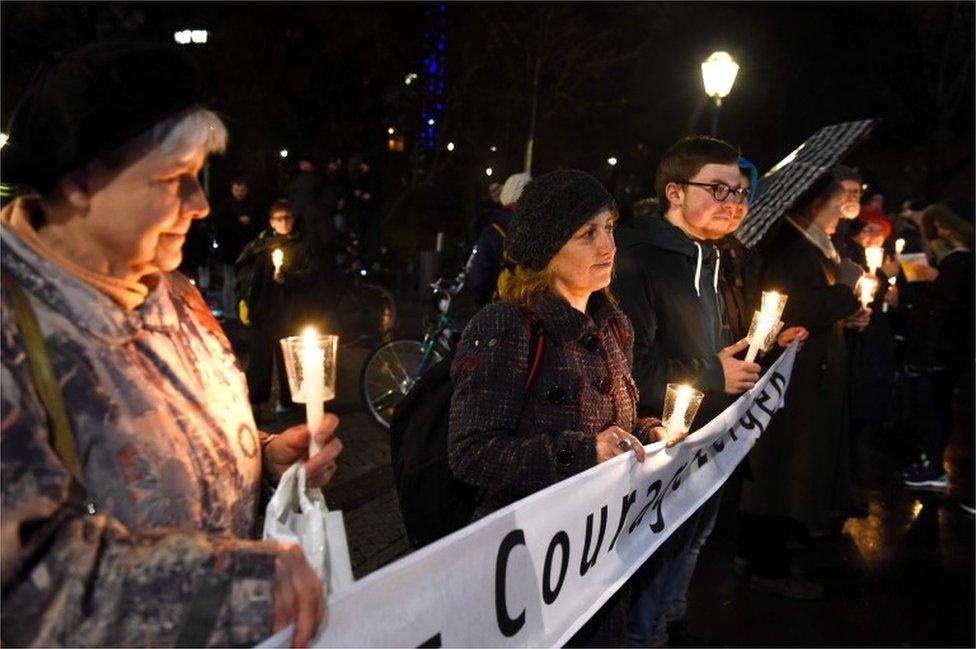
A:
{"x": 299, "y": 515}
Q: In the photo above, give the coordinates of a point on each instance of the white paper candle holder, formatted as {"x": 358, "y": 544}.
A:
{"x": 296, "y": 350}
{"x": 680, "y": 407}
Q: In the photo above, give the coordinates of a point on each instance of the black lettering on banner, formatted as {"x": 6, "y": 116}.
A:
{"x": 626, "y": 503}
{"x": 434, "y": 642}
{"x": 656, "y": 488}
{"x": 585, "y": 562}
{"x": 507, "y": 625}
{"x": 658, "y": 523}
{"x": 732, "y": 435}
{"x": 718, "y": 445}
{"x": 761, "y": 401}
{"x": 749, "y": 421}
{"x": 560, "y": 540}
{"x": 676, "y": 478}
{"x": 776, "y": 380}
{"x": 701, "y": 457}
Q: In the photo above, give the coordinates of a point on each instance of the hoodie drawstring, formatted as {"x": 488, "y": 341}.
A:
{"x": 718, "y": 263}
{"x": 698, "y": 269}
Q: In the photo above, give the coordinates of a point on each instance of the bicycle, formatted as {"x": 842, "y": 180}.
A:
{"x": 391, "y": 369}
{"x": 366, "y": 312}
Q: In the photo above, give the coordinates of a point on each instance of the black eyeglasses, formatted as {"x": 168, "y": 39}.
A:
{"x": 720, "y": 191}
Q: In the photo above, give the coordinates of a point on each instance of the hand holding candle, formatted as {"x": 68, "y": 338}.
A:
{"x": 680, "y": 407}
{"x": 865, "y": 289}
{"x": 311, "y": 367}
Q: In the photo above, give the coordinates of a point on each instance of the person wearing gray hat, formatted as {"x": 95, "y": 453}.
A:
{"x": 132, "y": 467}
{"x": 513, "y": 429}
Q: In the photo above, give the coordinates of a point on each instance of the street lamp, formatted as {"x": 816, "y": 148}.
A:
{"x": 450, "y": 146}
{"x": 612, "y": 161}
{"x": 283, "y": 153}
{"x": 489, "y": 171}
{"x": 718, "y": 75}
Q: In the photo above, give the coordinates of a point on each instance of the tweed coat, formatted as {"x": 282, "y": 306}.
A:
{"x": 511, "y": 443}
{"x": 171, "y": 462}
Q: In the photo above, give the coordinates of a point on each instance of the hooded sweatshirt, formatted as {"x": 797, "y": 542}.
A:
{"x": 668, "y": 285}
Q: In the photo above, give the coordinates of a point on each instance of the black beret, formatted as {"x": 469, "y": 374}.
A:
{"x": 92, "y": 101}
{"x": 551, "y": 208}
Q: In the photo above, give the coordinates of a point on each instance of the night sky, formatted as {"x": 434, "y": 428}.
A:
{"x": 616, "y": 79}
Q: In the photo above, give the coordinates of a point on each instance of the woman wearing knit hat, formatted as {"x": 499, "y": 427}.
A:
{"x": 132, "y": 468}
{"x": 510, "y": 437}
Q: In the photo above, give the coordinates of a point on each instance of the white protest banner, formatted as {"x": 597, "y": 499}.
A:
{"x": 532, "y": 574}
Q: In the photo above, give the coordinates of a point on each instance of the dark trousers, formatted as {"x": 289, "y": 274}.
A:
{"x": 264, "y": 352}
{"x": 932, "y": 397}
{"x": 762, "y": 542}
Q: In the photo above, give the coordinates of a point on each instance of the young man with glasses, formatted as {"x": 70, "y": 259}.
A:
{"x": 667, "y": 281}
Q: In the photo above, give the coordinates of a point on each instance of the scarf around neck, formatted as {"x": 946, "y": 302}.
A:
{"x": 815, "y": 235}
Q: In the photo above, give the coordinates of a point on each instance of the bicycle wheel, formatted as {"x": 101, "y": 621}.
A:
{"x": 388, "y": 374}
{"x": 367, "y": 314}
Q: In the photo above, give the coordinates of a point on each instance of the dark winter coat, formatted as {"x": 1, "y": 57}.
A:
{"x": 232, "y": 234}
{"x": 510, "y": 443}
{"x": 872, "y": 357}
{"x": 487, "y": 262}
{"x": 271, "y": 304}
{"x": 942, "y": 324}
{"x": 739, "y": 299}
{"x": 306, "y": 194}
{"x": 800, "y": 465}
{"x": 679, "y": 327}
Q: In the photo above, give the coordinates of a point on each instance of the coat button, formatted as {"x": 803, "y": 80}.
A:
{"x": 556, "y": 395}
{"x": 604, "y": 385}
{"x": 565, "y": 457}
{"x": 590, "y": 342}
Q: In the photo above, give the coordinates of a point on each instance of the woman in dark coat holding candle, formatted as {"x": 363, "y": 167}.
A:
{"x": 581, "y": 407}
{"x": 800, "y": 466}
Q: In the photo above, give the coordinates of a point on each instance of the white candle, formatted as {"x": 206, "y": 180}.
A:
{"x": 682, "y": 399}
{"x": 891, "y": 282}
{"x": 313, "y": 384}
{"x": 899, "y": 246}
{"x": 874, "y": 255}
{"x": 440, "y": 242}
{"x": 277, "y": 258}
{"x": 866, "y": 288}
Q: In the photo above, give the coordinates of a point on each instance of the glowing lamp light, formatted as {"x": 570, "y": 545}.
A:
{"x": 283, "y": 153}
{"x": 450, "y": 146}
{"x": 718, "y": 75}
{"x": 391, "y": 130}
{"x": 410, "y": 78}
{"x": 612, "y": 161}
{"x": 489, "y": 171}
{"x": 430, "y": 122}
{"x": 3, "y": 139}
{"x": 195, "y": 36}
{"x": 494, "y": 149}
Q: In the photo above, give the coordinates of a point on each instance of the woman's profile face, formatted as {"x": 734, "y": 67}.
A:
{"x": 139, "y": 216}
{"x": 585, "y": 263}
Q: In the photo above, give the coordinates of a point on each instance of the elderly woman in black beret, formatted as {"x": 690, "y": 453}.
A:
{"x": 132, "y": 468}
{"x": 510, "y": 440}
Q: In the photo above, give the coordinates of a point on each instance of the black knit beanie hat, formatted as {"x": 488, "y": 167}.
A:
{"x": 552, "y": 207}
{"x": 90, "y": 102}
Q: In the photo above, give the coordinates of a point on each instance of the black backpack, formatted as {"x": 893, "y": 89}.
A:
{"x": 434, "y": 503}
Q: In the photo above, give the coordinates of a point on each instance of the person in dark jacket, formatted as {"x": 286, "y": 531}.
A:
{"x": 305, "y": 193}
{"x": 940, "y": 353}
{"x": 668, "y": 284}
{"x": 235, "y": 223}
{"x": 800, "y": 466}
{"x": 487, "y": 263}
{"x": 582, "y": 406}
{"x": 276, "y": 299}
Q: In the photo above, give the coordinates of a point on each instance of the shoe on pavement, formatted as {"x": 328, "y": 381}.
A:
{"x": 928, "y": 477}
{"x": 790, "y": 587}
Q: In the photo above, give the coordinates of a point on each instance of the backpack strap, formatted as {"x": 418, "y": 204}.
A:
{"x": 499, "y": 229}
{"x": 45, "y": 382}
{"x": 537, "y": 344}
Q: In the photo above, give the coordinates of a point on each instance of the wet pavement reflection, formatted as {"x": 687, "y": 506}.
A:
{"x": 902, "y": 576}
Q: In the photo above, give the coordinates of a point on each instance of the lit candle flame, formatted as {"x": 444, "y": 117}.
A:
{"x": 682, "y": 399}
{"x": 899, "y": 246}
{"x": 866, "y": 286}
{"x": 874, "y": 255}
{"x": 277, "y": 258}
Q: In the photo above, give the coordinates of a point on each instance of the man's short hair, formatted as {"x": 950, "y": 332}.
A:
{"x": 280, "y": 205}
{"x": 238, "y": 181}
{"x": 686, "y": 157}
{"x": 843, "y": 172}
